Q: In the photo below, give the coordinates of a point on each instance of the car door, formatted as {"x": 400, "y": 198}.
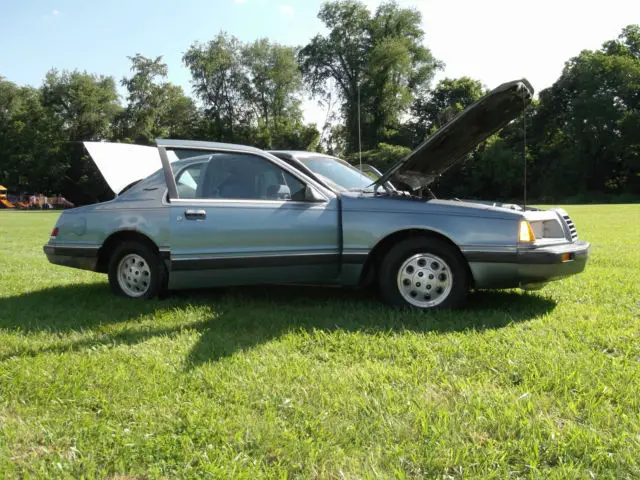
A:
{"x": 240, "y": 218}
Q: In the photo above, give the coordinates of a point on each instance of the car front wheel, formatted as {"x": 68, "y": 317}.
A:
{"x": 136, "y": 271}
{"x": 423, "y": 273}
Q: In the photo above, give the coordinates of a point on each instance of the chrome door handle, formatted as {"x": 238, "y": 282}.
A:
{"x": 195, "y": 214}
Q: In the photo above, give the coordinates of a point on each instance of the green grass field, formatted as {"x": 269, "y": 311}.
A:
{"x": 319, "y": 383}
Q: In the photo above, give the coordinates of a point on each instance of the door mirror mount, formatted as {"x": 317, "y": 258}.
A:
{"x": 310, "y": 194}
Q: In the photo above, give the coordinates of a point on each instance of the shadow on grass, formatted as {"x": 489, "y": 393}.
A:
{"x": 244, "y": 317}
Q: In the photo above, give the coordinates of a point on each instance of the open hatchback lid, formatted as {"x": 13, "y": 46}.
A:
{"x": 121, "y": 164}
{"x": 461, "y": 135}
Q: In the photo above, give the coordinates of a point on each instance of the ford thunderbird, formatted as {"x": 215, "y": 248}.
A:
{"x": 190, "y": 214}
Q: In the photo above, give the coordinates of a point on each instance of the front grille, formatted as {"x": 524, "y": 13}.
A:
{"x": 571, "y": 226}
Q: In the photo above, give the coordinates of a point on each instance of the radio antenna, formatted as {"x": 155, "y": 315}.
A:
{"x": 359, "y": 132}
{"x": 524, "y": 125}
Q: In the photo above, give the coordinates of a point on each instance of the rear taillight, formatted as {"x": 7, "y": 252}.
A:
{"x": 54, "y": 233}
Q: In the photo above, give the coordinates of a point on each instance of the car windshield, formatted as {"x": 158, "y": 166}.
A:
{"x": 338, "y": 172}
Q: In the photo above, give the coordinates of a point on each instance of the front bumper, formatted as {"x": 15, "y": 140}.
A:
{"x": 85, "y": 258}
{"x": 528, "y": 268}
{"x": 546, "y": 264}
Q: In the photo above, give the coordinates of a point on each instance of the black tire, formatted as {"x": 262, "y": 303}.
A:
{"x": 406, "y": 249}
{"x": 157, "y": 272}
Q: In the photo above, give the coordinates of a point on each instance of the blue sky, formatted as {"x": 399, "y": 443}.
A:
{"x": 492, "y": 40}
{"x": 37, "y": 35}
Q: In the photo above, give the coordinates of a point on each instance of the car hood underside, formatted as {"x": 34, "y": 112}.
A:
{"x": 462, "y": 134}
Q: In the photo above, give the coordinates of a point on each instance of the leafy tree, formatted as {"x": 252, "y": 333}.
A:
{"x": 382, "y": 157}
{"x": 272, "y": 80}
{"x": 82, "y": 105}
{"x": 78, "y": 107}
{"x": 155, "y": 108}
{"x": 41, "y": 130}
{"x": 588, "y": 138}
{"x": 272, "y": 88}
{"x": 375, "y": 61}
{"x": 251, "y": 92}
{"x": 219, "y": 82}
{"x": 450, "y": 97}
{"x": 583, "y": 134}
{"x": 27, "y": 139}
{"x": 9, "y": 102}
{"x": 340, "y": 57}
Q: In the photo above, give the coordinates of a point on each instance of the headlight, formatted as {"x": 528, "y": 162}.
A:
{"x": 526, "y": 232}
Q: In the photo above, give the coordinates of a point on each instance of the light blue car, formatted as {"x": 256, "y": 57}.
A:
{"x": 219, "y": 215}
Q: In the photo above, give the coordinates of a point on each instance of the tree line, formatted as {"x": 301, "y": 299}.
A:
{"x": 373, "y": 76}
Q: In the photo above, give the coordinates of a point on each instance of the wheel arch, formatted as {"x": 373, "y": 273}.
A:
{"x": 116, "y": 238}
{"x": 378, "y": 252}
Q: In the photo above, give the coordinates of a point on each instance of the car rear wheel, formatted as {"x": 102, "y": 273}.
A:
{"x": 136, "y": 271}
{"x": 423, "y": 273}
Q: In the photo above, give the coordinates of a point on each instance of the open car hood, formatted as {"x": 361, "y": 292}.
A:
{"x": 121, "y": 164}
{"x": 451, "y": 142}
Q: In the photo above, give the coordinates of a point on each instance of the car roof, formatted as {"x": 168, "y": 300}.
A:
{"x": 167, "y": 142}
{"x": 300, "y": 153}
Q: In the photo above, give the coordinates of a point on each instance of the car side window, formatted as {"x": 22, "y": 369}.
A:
{"x": 246, "y": 177}
{"x": 187, "y": 181}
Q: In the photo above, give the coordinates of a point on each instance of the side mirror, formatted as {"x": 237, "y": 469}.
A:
{"x": 310, "y": 194}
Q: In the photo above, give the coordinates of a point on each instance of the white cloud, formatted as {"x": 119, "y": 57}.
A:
{"x": 286, "y": 10}
{"x": 55, "y": 13}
